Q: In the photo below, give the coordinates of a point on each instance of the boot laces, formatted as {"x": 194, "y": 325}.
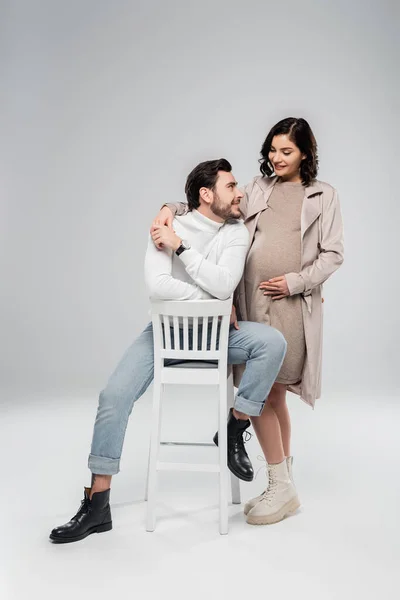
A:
{"x": 84, "y": 508}
{"x": 269, "y": 493}
{"x": 242, "y": 438}
{"x": 262, "y": 459}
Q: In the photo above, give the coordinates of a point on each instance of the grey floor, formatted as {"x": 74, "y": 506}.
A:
{"x": 343, "y": 542}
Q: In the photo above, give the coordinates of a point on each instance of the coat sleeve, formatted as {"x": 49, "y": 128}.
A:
{"x": 177, "y": 208}
{"x": 330, "y": 250}
{"x": 244, "y": 203}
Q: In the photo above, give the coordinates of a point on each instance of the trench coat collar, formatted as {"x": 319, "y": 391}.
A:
{"x": 311, "y": 206}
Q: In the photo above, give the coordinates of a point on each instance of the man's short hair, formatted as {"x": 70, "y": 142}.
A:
{"x": 204, "y": 175}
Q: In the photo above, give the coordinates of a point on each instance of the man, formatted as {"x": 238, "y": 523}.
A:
{"x": 203, "y": 257}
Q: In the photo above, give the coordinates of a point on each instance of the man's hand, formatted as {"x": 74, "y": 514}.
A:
{"x": 163, "y": 237}
{"x": 276, "y": 287}
{"x": 233, "y": 320}
{"x": 164, "y": 217}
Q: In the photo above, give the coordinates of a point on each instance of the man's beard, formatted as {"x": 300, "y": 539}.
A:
{"x": 224, "y": 212}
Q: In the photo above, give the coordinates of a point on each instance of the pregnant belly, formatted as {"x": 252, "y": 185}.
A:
{"x": 276, "y": 259}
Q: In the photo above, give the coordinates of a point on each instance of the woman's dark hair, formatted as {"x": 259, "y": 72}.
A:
{"x": 204, "y": 175}
{"x": 299, "y": 133}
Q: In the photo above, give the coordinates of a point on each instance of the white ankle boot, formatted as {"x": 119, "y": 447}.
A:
{"x": 251, "y": 503}
{"x": 279, "y": 500}
{"x": 289, "y": 462}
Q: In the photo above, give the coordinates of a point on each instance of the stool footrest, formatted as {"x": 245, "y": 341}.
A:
{"x": 170, "y": 466}
{"x": 207, "y": 444}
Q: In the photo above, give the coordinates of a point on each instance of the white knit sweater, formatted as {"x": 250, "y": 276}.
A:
{"x": 212, "y": 268}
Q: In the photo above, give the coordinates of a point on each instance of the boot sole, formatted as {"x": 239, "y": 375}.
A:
{"x": 238, "y": 475}
{"x": 286, "y": 510}
{"x": 96, "y": 529}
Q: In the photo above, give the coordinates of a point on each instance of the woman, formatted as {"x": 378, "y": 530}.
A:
{"x": 296, "y": 243}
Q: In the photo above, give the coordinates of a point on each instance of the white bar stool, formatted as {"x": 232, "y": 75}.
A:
{"x": 171, "y": 320}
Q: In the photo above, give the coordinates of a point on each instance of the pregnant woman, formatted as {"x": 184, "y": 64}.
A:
{"x": 296, "y": 243}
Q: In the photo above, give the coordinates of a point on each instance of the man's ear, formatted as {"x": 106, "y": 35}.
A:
{"x": 206, "y": 195}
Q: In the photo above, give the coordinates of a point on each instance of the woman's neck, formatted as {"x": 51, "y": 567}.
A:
{"x": 291, "y": 178}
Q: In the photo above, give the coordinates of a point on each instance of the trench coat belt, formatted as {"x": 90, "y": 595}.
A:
{"x": 308, "y": 300}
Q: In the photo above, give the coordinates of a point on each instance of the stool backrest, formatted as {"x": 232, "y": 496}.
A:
{"x": 180, "y": 329}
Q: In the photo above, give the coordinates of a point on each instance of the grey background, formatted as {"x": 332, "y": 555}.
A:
{"x": 105, "y": 108}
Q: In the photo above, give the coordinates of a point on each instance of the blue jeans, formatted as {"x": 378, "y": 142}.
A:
{"x": 260, "y": 346}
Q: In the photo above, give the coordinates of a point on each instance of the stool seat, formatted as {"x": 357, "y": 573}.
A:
{"x": 194, "y": 364}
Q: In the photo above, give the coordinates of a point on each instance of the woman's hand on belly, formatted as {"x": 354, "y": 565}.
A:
{"x": 276, "y": 287}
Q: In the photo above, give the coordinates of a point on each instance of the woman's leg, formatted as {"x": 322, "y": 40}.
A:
{"x": 268, "y": 432}
{"x": 277, "y": 400}
{"x": 273, "y": 432}
{"x": 273, "y": 427}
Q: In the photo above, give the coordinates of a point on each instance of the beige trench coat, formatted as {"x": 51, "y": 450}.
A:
{"x": 321, "y": 255}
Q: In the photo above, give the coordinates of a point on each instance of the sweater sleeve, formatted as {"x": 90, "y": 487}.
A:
{"x": 160, "y": 283}
{"x": 220, "y": 279}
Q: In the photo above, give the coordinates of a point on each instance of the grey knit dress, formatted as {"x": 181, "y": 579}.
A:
{"x": 276, "y": 250}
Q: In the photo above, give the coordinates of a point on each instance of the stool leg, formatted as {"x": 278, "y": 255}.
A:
{"x": 146, "y": 491}
{"x": 153, "y": 458}
{"x": 235, "y": 483}
{"x": 235, "y": 489}
{"x": 223, "y": 452}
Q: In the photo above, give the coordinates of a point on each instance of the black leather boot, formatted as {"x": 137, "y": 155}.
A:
{"x": 238, "y": 460}
{"x": 94, "y": 516}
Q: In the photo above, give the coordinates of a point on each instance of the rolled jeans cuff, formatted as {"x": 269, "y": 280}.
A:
{"x": 249, "y": 407}
{"x": 101, "y": 465}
